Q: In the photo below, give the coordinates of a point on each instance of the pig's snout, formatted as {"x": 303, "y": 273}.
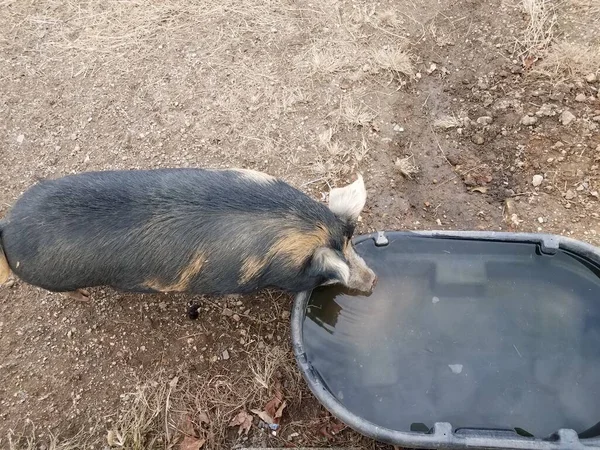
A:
{"x": 362, "y": 278}
{"x": 375, "y": 280}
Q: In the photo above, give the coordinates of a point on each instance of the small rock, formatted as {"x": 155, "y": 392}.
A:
{"x": 546, "y": 110}
{"x": 580, "y": 98}
{"x": 570, "y": 195}
{"x": 478, "y": 139}
{"x": 9, "y": 283}
{"x": 20, "y": 139}
{"x": 528, "y": 120}
{"x": 591, "y": 78}
{"x": 285, "y": 315}
{"x": 484, "y": 120}
{"x": 398, "y": 128}
{"x": 225, "y": 355}
{"x": 453, "y": 159}
{"x": 540, "y": 219}
{"x": 227, "y": 312}
{"x": 236, "y": 317}
{"x": 566, "y": 117}
{"x": 537, "y": 180}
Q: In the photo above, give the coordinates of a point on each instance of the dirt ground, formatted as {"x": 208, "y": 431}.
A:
{"x": 460, "y": 115}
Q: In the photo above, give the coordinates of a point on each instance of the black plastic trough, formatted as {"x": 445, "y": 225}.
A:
{"x": 470, "y": 340}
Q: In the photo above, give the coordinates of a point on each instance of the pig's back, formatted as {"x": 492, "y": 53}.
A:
{"x": 139, "y": 230}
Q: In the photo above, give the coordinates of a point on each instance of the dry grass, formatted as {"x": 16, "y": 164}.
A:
{"x": 31, "y": 440}
{"x": 568, "y": 60}
{"x": 539, "y": 33}
{"x": 356, "y": 114}
{"x": 395, "y": 60}
{"x": 156, "y": 414}
{"x": 407, "y": 166}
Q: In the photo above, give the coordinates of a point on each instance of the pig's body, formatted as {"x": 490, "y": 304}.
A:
{"x": 178, "y": 230}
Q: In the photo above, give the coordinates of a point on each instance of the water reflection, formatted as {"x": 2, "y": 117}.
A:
{"x": 491, "y": 335}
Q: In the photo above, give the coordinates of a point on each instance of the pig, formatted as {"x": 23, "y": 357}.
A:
{"x": 201, "y": 231}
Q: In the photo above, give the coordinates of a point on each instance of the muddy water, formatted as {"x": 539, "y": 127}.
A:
{"x": 492, "y": 335}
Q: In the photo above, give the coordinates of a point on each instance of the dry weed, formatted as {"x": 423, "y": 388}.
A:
{"x": 356, "y": 114}
{"x": 407, "y": 166}
{"x": 569, "y": 60}
{"x": 539, "y": 33}
{"x": 32, "y": 441}
{"x": 324, "y": 61}
{"x": 158, "y": 412}
{"x": 395, "y": 60}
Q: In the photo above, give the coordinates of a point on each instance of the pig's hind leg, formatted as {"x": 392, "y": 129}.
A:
{"x": 80, "y": 295}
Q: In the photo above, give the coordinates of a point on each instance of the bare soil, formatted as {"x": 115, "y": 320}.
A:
{"x": 475, "y": 96}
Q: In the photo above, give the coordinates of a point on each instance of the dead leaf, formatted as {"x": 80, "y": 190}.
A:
{"x": 332, "y": 428}
{"x": 480, "y": 189}
{"x": 191, "y": 443}
{"x": 337, "y": 427}
{"x": 264, "y": 416}
{"x": 203, "y": 417}
{"x": 279, "y": 411}
{"x": 529, "y": 61}
{"x": 243, "y": 420}
{"x": 272, "y": 406}
{"x": 173, "y": 382}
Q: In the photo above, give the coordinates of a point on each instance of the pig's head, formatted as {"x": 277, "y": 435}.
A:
{"x": 339, "y": 262}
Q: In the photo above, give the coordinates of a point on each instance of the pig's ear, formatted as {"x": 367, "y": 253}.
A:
{"x": 348, "y": 202}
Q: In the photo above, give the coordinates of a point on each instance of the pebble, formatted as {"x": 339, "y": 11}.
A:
{"x": 478, "y": 139}
{"x": 566, "y": 117}
{"x": 484, "y": 120}
{"x": 570, "y": 195}
{"x": 236, "y": 317}
{"x": 540, "y": 219}
{"x": 398, "y": 128}
{"x": 591, "y": 78}
{"x": 580, "y": 98}
{"x": 537, "y": 180}
{"x": 546, "y": 110}
{"x": 227, "y": 312}
{"x": 225, "y": 355}
{"x": 528, "y": 120}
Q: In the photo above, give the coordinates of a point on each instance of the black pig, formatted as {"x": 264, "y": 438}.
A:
{"x": 182, "y": 230}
